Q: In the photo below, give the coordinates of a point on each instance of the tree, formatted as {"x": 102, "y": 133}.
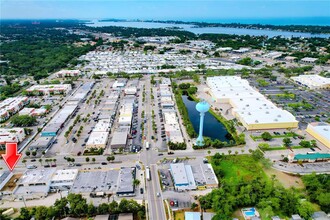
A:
{"x": 266, "y": 136}
{"x": 40, "y": 161}
{"x": 287, "y": 142}
{"x": 78, "y": 205}
{"x": 93, "y": 159}
{"x": 34, "y": 153}
{"x": 193, "y": 206}
{"x": 136, "y": 182}
{"x": 27, "y": 153}
{"x": 263, "y": 146}
{"x": 305, "y": 144}
{"x": 23, "y": 120}
{"x": 24, "y": 161}
{"x": 108, "y": 158}
{"x": 229, "y": 152}
{"x": 87, "y": 159}
{"x": 305, "y": 210}
{"x": 54, "y": 160}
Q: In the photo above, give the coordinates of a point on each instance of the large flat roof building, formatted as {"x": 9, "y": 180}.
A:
{"x": 125, "y": 181}
{"x": 248, "y": 105}
{"x": 63, "y": 179}
{"x": 50, "y": 89}
{"x": 97, "y": 140}
{"x": 312, "y": 81}
{"x": 11, "y": 106}
{"x": 320, "y": 131}
{"x": 183, "y": 176}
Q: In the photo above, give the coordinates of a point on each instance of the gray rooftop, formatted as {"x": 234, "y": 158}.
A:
{"x": 125, "y": 181}
{"x": 85, "y": 181}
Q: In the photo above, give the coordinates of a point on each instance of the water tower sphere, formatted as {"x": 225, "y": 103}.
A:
{"x": 203, "y": 106}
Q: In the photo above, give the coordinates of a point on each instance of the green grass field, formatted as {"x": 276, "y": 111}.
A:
{"x": 240, "y": 166}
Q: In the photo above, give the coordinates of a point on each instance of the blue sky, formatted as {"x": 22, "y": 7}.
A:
{"x": 161, "y": 9}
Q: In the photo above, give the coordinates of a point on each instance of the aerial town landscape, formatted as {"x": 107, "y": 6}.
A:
{"x": 122, "y": 122}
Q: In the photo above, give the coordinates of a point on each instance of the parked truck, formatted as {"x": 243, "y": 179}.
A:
{"x": 147, "y": 145}
{"x": 148, "y": 173}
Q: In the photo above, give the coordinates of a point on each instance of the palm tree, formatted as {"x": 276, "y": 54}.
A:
{"x": 236, "y": 152}
{"x": 93, "y": 159}
{"x": 54, "y": 160}
{"x": 27, "y": 153}
{"x": 108, "y": 158}
{"x": 229, "y": 152}
{"x": 242, "y": 151}
{"x": 87, "y": 159}
{"x": 34, "y": 153}
{"x": 24, "y": 161}
{"x": 40, "y": 161}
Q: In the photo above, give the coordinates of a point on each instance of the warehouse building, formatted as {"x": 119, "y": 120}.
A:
{"x": 250, "y": 107}
{"x": 320, "y": 131}
{"x": 312, "y": 81}
{"x": 59, "y": 120}
{"x": 63, "y": 180}
{"x": 204, "y": 176}
{"x": 125, "y": 181}
{"x": 34, "y": 184}
{"x": 85, "y": 181}
{"x": 119, "y": 138}
{"x": 97, "y": 140}
{"x": 183, "y": 177}
{"x": 172, "y": 127}
{"x": 42, "y": 143}
{"x": 53, "y": 89}
{"x": 5, "y": 176}
{"x": 82, "y": 92}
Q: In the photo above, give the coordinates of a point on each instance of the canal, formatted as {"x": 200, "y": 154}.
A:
{"x": 212, "y": 127}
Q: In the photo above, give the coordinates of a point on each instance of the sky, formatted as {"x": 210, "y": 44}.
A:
{"x": 163, "y": 9}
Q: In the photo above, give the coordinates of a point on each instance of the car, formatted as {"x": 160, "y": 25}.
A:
{"x": 33, "y": 160}
{"x": 160, "y": 154}
{"x": 171, "y": 152}
{"x": 78, "y": 165}
{"x": 83, "y": 145}
{"x": 46, "y": 166}
{"x": 312, "y": 149}
{"x": 53, "y": 165}
{"x": 31, "y": 167}
{"x": 104, "y": 163}
{"x": 158, "y": 194}
{"x": 141, "y": 190}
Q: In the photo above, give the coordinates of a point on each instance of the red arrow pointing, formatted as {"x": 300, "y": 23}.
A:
{"x": 11, "y": 157}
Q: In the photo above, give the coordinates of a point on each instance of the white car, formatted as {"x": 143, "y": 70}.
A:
{"x": 158, "y": 194}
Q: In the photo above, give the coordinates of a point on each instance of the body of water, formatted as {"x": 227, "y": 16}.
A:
{"x": 212, "y": 127}
{"x": 208, "y": 30}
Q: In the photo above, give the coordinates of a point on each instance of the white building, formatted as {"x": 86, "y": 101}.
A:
{"x": 183, "y": 176}
{"x": 50, "y": 89}
{"x": 248, "y": 105}
{"x": 11, "y": 135}
{"x": 312, "y": 81}
{"x": 33, "y": 111}
{"x": 97, "y": 140}
{"x": 320, "y": 131}
{"x": 68, "y": 73}
{"x": 11, "y": 106}
{"x": 63, "y": 179}
{"x": 309, "y": 60}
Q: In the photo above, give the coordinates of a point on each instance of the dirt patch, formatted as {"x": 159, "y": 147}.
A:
{"x": 285, "y": 179}
{"x": 10, "y": 186}
{"x": 238, "y": 214}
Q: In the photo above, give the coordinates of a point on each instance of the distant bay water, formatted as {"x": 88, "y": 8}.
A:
{"x": 208, "y": 30}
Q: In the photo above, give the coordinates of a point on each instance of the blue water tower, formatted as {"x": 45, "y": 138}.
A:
{"x": 201, "y": 107}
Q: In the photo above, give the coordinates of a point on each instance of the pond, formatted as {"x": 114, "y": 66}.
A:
{"x": 212, "y": 127}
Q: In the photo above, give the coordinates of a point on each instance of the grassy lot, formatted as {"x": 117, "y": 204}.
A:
{"x": 288, "y": 134}
{"x": 179, "y": 215}
{"x": 240, "y": 166}
{"x": 285, "y": 179}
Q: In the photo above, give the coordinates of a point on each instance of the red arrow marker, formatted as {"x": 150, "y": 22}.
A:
{"x": 11, "y": 157}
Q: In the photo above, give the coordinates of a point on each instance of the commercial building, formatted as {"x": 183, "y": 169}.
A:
{"x": 183, "y": 177}
{"x": 125, "y": 181}
{"x": 198, "y": 215}
{"x": 82, "y": 92}
{"x": 312, "y": 81}
{"x": 273, "y": 55}
{"x": 242, "y": 50}
{"x": 314, "y": 157}
{"x": 11, "y": 135}
{"x": 63, "y": 180}
{"x": 53, "y": 89}
{"x": 85, "y": 181}
{"x": 11, "y": 106}
{"x": 320, "y": 131}
{"x": 58, "y": 121}
{"x": 97, "y": 139}
{"x": 204, "y": 176}
{"x": 34, "y": 183}
{"x": 172, "y": 127}
{"x": 42, "y": 143}
{"x": 5, "y": 176}
{"x": 119, "y": 138}
{"x": 68, "y": 73}
{"x": 250, "y": 107}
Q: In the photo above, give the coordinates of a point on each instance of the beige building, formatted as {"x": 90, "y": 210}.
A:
{"x": 320, "y": 131}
